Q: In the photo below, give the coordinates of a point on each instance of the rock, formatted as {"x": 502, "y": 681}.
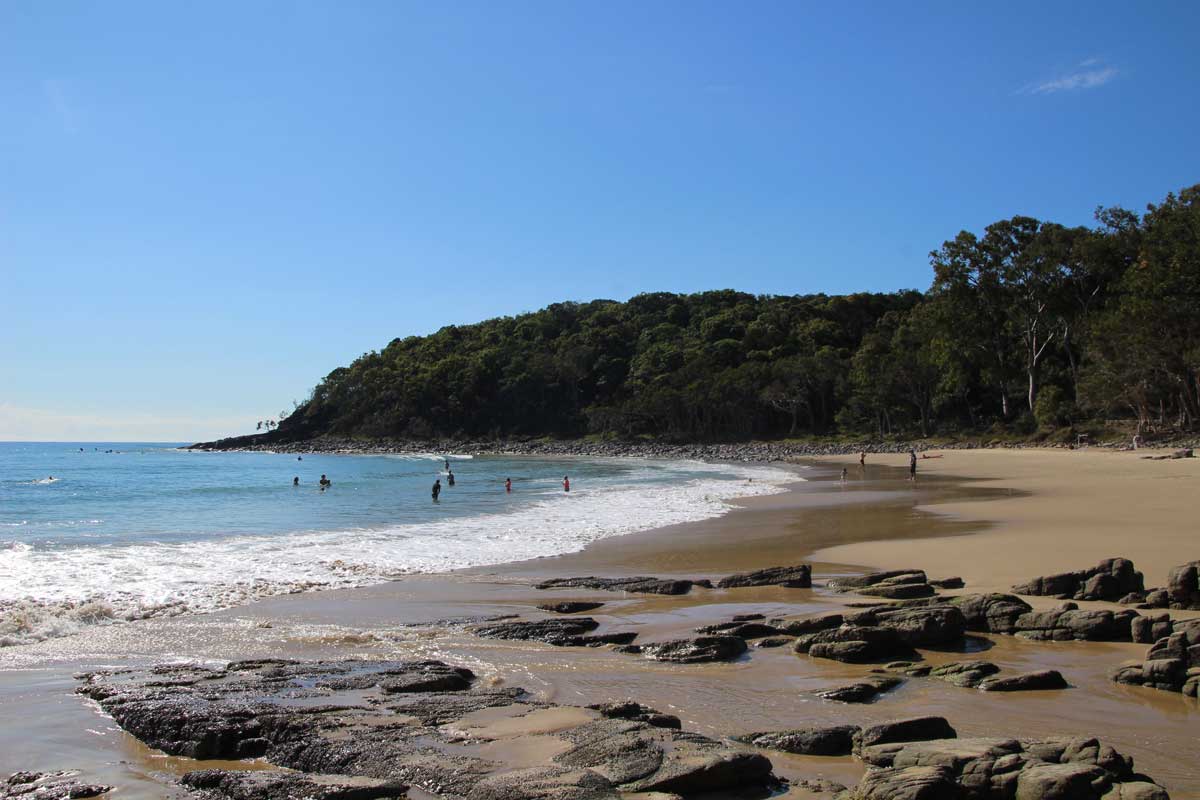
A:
{"x": 742, "y": 630}
{"x": 834, "y": 741}
{"x": 545, "y": 783}
{"x": 863, "y": 691}
{"x": 1067, "y": 623}
{"x": 1136, "y": 790}
{"x": 430, "y": 676}
{"x": 991, "y": 613}
{"x": 638, "y": 713}
{"x": 350, "y": 738}
{"x": 1027, "y": 681}
{"x": 854, "y": 644}
{"x": 1042, "y": 781}
{"x": 1148, "y": 629}
{"x": 913, "y": 729}
{"x": 58, "y": 785}
{"x": 1183, "y": 586}
{"x": 899, "y": 591}
{"x": 924, "y": 626}
{"x": 948, "y": 583}
{"x": 639, "y": 585}
{"x": 570, "y": 606}
{"x": 909, "y": 783}
{"x": 219, "y": 784}
{"x": 797, "y": 627}
{"x": 1111, "y": 579}
{"x": 564, "y": 632}
{"x": 891, "y": 577}
{"x": 819, "y": 785}
{"x": 773, "y": 641}
{"x": 1160, "y": 598}
{"x": 797, "y": 577}
{"x": 967, "y": 674}
{"x": 696, "y": 651}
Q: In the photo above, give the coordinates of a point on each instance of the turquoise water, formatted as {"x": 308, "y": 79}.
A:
{"x": 116, "y": 530}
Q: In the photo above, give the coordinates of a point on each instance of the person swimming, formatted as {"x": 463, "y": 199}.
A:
{"x": 437, "y": 489}
{"x": 325, "y": 482}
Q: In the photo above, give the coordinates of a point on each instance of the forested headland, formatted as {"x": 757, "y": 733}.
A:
{"x": 1028, "y": 328}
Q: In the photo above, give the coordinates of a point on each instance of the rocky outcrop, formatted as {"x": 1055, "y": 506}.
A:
{"x": 692, "y": 651}
{"x": 967, "y": 674}
{"x": 837, "y": 740}
{"x": 743, "y": 629}
{"x": 218, "y": 784}
{"x": 911, "y": 729}
{"x": 59, "y": 785}
{"x": 797, "y": 577}
{"x": 1026, "y": 682}
{"x": 901, "y": 584}
{"x": 798, "y": 626}
{"x": 1150, "y": 628}
{"x": 638, "y": 713}
{"x": 1000, "y": 769}
{"x": 990, "y": 613}
{"x": 1111, "y": 579}
{"x": 1068, "y": 622}
{"x": 864, "y": 691}
{"x": 344, "y": 737}
{"x": 570, "y": 606}
{"x": 1172, "y": 663}
{"x": 638, "y": 585}
{"x": 1183, "y": 586}
{"x": 923, "y": 626}
{"x": 855, "y": 644}
{"x": 564, "y": 632}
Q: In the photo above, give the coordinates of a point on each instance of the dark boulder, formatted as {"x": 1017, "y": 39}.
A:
{"x": 895, "y": 576}
{"x": 638, "y": 713}
{"x": 924, "y": 626}
{"x": 1026, "y": 681}
{"x": 948, "y": 583}
{"x": 913, "y": 729}
{"x": 696, "y": 651}
{"x": 638, "y": 585}
{"x": 570, "y": 606}
{"x": 1149, "y": 629}
{"x": 1111, "y": 579}
{"x": 991, "y": 613}
{"x": 560, "y": 632}
{"x": 834, "y": 741}
{"x": 1183, "y": 586}
{"x": 797, "y": 577}
{"x": 57, "y": 785}
{"x": 967, "y": 674}
{"x": 863, "y": 691}
{"x": 855, "y": 644}
{"x": 797, "y": 627}
{"x": 742, "y": 630}
{"x": 1067, "y": 623}
{"x": 219, "y": 784}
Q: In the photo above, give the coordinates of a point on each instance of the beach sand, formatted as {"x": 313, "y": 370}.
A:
{"x": 993, "y": 517}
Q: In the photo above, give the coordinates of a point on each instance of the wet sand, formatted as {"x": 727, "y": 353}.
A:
{"x": 946, "y": 523}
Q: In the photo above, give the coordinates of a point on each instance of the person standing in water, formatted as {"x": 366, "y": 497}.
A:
{"x": 912, "y": 465}
{"x": 296, "y": 481}
{"x": 862, "y": 458}
{"x": 447, "y": 465}
{"x": 508, "y": 485}
{"x": 845, "y": 474}
{"x": 566, "y": 484}
{"x": 437, "y": 489}
{"x": 449, "y": 478}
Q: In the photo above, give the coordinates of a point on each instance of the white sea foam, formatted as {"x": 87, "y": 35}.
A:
{"x": 52, "y": 592}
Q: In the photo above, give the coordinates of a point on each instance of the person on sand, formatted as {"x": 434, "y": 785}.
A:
{"x": 437, "y": 489}
{"x": 450, "y": 478}
{"x": 566, "y": 484}
{"x": 508, "y": 485}
{"x": 912, "y": 465}
{"x": 296, "y": 481}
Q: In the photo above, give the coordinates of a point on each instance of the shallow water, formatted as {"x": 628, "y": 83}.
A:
{"x": 128, "y": 530}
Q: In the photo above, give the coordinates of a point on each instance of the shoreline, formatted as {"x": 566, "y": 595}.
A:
{"x": 876, "y": 520}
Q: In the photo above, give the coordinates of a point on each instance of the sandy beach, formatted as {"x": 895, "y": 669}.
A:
{"x": 992, "y": 517}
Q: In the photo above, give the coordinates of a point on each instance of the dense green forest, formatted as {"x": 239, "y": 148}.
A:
{"x": 1029, "y": 325}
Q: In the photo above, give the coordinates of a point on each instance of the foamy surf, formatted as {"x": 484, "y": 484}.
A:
{"x": 46, "y": 593}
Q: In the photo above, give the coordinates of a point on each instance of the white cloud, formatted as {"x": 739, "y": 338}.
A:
{"x": 44, "y": 425}
{"x": 1088, "y": 74}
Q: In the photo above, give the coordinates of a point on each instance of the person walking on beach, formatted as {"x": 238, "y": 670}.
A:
{"x": 437, "y": 489}
{"x": 566, "y": 484}
{"x": 449, "y": 478}
{"x": 912, "y": 465}
{"x": 508, "y": 485}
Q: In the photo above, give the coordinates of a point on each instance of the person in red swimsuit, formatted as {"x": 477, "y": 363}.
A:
{"x": 566, "y": 484}
{"x": 508, "y": 484}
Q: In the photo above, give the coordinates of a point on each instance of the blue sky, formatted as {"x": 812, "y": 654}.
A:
{"x": 204, "y": 208}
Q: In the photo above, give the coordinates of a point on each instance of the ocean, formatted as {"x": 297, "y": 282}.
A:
{"x": 91, "y": 533}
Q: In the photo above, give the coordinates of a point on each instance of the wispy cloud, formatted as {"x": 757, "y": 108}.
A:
{"x": 1089, "y": 74}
